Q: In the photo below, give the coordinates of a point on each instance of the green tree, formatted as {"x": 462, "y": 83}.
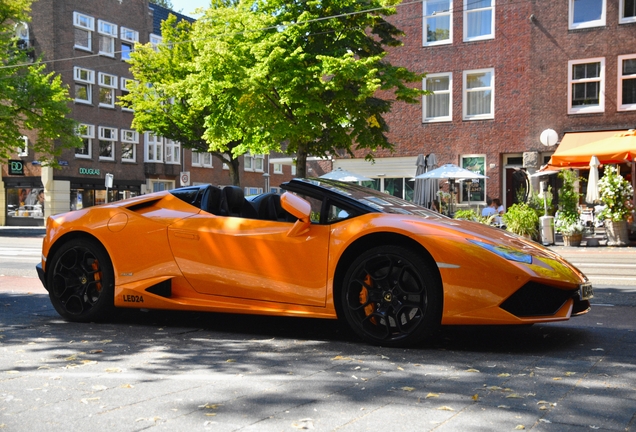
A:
{"x": 163, "y": 3}
{"x": 30, "y": 97}
{"x": 306, "y": 74}
{"x": 163, "y": 97}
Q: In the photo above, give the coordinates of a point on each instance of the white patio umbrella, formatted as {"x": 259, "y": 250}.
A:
{"x": 592, "y": 195}
{"x": 344, "y": 175}
{"x": 450, "y": 172}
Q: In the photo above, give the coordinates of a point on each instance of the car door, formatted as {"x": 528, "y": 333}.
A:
{"x": 252, "y": 259}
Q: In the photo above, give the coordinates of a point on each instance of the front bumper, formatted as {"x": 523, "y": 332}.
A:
{"x": 41, "y": 275}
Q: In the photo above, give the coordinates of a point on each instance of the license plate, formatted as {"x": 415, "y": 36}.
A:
{"x": 586, "y": 291}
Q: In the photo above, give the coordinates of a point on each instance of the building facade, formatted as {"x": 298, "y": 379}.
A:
{"x": 88, "y": 43}
{"x": 502, "y": 72}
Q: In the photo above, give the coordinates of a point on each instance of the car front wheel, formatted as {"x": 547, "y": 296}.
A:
{"x": 391, "y": 297}
{"x": 81, "y": 281}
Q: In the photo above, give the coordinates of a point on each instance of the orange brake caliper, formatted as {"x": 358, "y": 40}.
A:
{"x": 97, "y": 276}
{"x": 364, "y": 296}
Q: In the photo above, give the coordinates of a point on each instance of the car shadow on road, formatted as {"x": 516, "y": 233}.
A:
{"x": 35, "y": 310}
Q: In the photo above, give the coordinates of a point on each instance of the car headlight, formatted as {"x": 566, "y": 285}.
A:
{"x": 505, "y": 252}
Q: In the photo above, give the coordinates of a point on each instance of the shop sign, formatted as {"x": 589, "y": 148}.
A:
{"x": 89, "y": 171}
{"x": 16, "y": 167}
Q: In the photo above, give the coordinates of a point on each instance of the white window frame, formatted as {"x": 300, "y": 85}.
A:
{"x": 129, "y": 37}
{"x": 466, "y": 90}
{"x": 586, "y": 109}
{"x": 87, "y": 24}
{"x": 293, "y": 169}
{"x": 259, "y": 162}
{"x": 434, "y": 16}
{"x": 248, "y": 162}
{"x": 460, "y": 188}
{"x": 155, "y": 41}
{"x": 619, "y": 80}
{"x": 426, "y": 118}
{"x": 201, "y": 159}
{"x": 173, "y": 151}
{"x": 165, "y": 185}
{"x": 278, "y": 168}
{"x": 125, "y": 90}
{"x": 249, "y": 190}
{"x": 107, "y": 32}
{"x": 468, "y": 12}
{"x": 129, "y": 139}
{"x": 622, "y": 19}
{"x": 85, "y": 77}
{"x": 86, "y": 132}
{"x": 586, "y": 24}
{"x": 107, "y": 81}
{"x": 23, "y": 150}
{"x": 153, "y": 147}
{"x": 107, "y": 134}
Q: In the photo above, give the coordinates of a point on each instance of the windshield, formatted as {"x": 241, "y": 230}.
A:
{"x": 378, "y": 201}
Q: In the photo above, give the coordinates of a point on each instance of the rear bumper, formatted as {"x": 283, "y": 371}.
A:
{"x": 41, "y": 274}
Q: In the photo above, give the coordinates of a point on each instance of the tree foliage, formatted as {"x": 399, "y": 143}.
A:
{"x": 30, "y": 97}
{"x": 306, "y": 77}
{"x": 163, "y": 3}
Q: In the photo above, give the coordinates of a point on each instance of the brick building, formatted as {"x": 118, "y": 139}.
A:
{"x": 87, "y": 43}
{"x": 502, "y": 72}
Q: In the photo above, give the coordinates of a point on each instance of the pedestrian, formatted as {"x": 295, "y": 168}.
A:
{"x": 490, "y": 210}
{"x": 497, "y": 204}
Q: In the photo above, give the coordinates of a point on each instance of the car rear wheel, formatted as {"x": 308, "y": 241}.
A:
{"x": 81, "y": 281}
{"x": 391, "y": 297}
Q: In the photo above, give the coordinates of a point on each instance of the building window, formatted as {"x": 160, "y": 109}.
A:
{"x": 248, "y": 162}
{"x": 84, "y": 80}
{"x": 438, "y": 18}
{"x": 438, "y": 105}
{"x": 107, "y": 34}
{"x": 253, "y": 191}
{"x": 155, "y": 41}
{"x": 479, "y": 94}
{"x": 125, "y": 82}
{"x": 84, "y": 27}
{"x": 627, "y": 11}
{"x": 129, "y": 141}
{"x": 627, "y": 82}
{"x": 161, "y": 185}
{"x": 586, "y": 86}
{"x": 129, "y": 38}
{"x": 107, "y": 138}
{"x": 259, "y": 162}
{"x": 23, "y": 147}
{"x": 201, "y": 159}
{"x": 473, "y": 191}
{"x": 173, "y": 152}
{"x": 293, "y": 170}
{"x": 586, "y": 13}
{"x": 86, "y": 133}
{"x": 107, "y": 87}
{"x": 479, "y": 20}
{"x": 278, "y": 168}
{"x": 154, "y": 148}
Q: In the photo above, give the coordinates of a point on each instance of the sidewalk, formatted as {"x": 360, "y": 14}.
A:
{"x": 592, "y": 241}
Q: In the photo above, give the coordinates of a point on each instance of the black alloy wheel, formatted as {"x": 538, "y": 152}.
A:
{"x": 391, "y": 297}
{"x": 81, "y": 281}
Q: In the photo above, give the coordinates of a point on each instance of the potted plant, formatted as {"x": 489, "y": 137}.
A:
{"x": 616, "y": 193}
{"x": 522, "y": 220}
{"x": 567, "y": 220}
{"x": 572, "y": 233}
{"x": 472, "y": 215}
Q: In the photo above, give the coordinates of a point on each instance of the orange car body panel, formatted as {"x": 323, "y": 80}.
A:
{"x": 238, "y": 265}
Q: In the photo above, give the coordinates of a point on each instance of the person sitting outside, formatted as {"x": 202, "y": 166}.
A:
{"x": 498, "y": 206}
{"x": 490, "y": 210}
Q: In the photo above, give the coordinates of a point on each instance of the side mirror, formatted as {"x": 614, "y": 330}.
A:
{"x": 299, "y": 208}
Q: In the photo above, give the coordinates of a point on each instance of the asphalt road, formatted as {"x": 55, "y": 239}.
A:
{"x": 202, "y": 371}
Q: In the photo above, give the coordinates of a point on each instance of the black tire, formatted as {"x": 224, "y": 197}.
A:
{"x": 391, "y": 297}
{"x": 81, "y": 281}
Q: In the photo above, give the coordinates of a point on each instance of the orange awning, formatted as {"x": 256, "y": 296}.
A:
{"x": 617, "y": 148}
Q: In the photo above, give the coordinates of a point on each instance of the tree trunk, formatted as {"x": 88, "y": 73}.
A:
{"x": 232, "y": 164}
{"x": 301, "y": 161}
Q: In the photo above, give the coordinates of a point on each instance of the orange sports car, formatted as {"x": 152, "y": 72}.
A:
{"x": 392, "y": 270}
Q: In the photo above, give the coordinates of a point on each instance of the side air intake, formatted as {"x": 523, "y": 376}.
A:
{"x": 163, "y": 289}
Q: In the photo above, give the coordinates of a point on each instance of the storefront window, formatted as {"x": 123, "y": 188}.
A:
{"x": 25, "y": 203}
